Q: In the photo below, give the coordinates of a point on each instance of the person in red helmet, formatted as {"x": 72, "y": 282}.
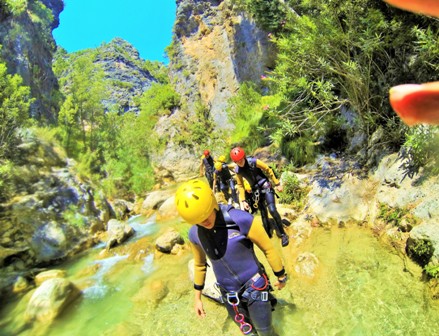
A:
{"x": 207, "y": 167}
{"x": 258, "y": 176}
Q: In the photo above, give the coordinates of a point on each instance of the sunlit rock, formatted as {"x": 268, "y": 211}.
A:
{"x": 155, "y": 199}
{"x": 21, "y": 285}
{"x": 167, "y": 210}
{"x": 46, "y": 275}
{"x": 166, "y": 242}
{"x": 49, "y": 300}
{"x": 118, "y": 232}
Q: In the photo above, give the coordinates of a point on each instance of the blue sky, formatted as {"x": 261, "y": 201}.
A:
{"x": 146, "y": 24}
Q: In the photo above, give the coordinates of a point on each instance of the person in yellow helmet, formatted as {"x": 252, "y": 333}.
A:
{"x": 226, "y": 237}
{"x": 207, "y": 166}
{"x": 223, "y": 177}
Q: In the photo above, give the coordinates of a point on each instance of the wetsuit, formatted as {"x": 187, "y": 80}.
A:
{"x": 209, "y": 167}
{"x": 261, "y": 190}
{"x": 229, "y": 247}
{"x": 226, "y": 181}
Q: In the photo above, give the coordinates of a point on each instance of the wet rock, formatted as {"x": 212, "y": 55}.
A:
{"x": 306, "y": 264}
{"x": 155, "y": 199}
{"x": 46, "y": 275}
{"x": 166, "y": 242}
{"x": 118, "y": 232}
{"x": 50, "y": 299}
{"x": 20, "y": 285}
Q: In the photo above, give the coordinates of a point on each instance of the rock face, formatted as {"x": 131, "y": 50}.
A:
{"x": 51, "y": 215}
{"x": 123, "y": 70}
{"x": 28, "y": 47}
{"x": 125, "y": 76}
{"x": 214, "y": 49}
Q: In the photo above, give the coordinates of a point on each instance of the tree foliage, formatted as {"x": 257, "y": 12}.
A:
{"x": 269, "y": 14}
{"x": 158, "y": 70}
{"x": 15, "y": 101}
{"x": 336, "y": 56}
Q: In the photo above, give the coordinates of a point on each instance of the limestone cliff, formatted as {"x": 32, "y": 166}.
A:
{"x": 125, "y": 76}
{"x": 27, "y": 48}
{"x": 215, "y": 48}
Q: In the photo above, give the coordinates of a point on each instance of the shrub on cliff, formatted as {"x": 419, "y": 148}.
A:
{"x": 15, "y": 101}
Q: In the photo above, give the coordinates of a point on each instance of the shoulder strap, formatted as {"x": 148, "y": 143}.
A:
{"x": 225, "y": 208}
{"x": 251, "y": 161}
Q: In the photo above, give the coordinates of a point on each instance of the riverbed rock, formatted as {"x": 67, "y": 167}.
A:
{"x": 21, "y": 285}
{"x": 118, "y": 232}
{"x": 165, "y": 243}
{"x": 49, "y": 300}
{"x": 50, "y": 274}
{"x": 155, "y": 199}
{"x": 306, "y": 264}
{"x": 167, "y": 210}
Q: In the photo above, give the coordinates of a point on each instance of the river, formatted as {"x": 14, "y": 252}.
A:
{"x": 360, "y": 287}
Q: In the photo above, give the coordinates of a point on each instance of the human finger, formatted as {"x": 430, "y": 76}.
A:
{"x": 427, "y": 7}
{"x": 416, "y": 103}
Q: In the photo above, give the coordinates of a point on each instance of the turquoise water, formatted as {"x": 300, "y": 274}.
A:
{"x": 359, "y": 288}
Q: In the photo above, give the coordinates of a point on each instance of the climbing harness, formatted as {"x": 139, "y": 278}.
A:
{"x": 251, "y": 292}
{"x": 233, "y": 300}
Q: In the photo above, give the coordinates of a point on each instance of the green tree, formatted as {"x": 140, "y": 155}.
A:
{"x": 347, "y": 54}
{"x": 82, "y": 111}
{"x": 158, "y": 70}
{"x": 15, "y": 101}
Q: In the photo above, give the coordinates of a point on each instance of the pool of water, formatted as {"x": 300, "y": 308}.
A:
{"x": 359, "y": 288}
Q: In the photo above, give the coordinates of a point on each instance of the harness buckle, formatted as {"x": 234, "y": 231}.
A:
{"x": 264, "y": 296}
{"x": 232, "y": 298}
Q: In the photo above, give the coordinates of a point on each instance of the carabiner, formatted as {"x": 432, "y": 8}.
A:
{"x": 239, "y": 318}
{"x": 233, "y": 300}
{"x": 245, "y": 327}
{"x": 256, "y": 198}
{"x": 232, "y": 296}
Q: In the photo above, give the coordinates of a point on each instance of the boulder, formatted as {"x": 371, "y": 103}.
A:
{"x": 118, "y": 232}
{"x": 49, "y": 300}
{"x": 165, "y": 243}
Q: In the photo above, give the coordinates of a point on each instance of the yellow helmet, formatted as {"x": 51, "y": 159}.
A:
{"x": 218, "y": 165}
{"x": 222, "y": 158}
{"x": 247, "y": 186}
{"x": 195, "y": 201}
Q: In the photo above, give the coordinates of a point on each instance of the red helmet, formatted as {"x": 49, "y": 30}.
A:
{"x": 237, "y": 154}
{"x": 206, "y": 152}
